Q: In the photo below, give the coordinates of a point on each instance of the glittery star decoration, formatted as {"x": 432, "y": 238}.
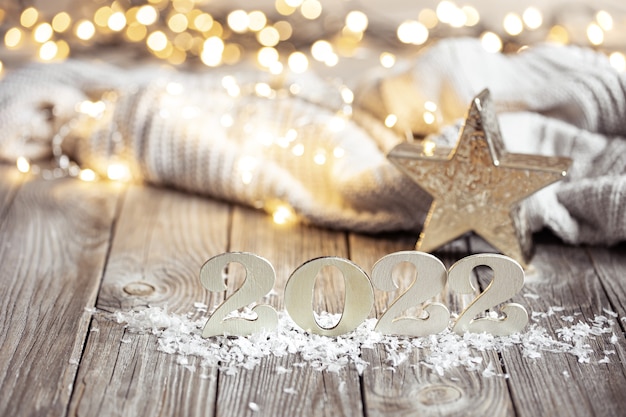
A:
{"x": 478, "y": 185}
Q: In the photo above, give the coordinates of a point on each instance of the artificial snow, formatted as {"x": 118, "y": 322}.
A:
{"x": 180, "y": 335}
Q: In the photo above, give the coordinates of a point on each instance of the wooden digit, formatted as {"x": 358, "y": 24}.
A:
{"x": 358, "y": 300}
{"x": 259, "y": 281}
{"x": 429, "y": 281}
{"x": 508, "y": 280}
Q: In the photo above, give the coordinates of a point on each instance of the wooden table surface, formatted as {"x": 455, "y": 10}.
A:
{"x": 67, "y": 246}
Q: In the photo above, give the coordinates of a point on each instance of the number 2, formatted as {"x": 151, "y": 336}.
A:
{"x": 508, "y": 280}
{"x": 429, "y": 281}
{"x": 260, "y": 277}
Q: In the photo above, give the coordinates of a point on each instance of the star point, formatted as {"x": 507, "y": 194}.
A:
{"x": 477, "y": 187}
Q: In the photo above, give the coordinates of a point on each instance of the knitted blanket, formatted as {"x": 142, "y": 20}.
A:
{"x": 243, "y": 139}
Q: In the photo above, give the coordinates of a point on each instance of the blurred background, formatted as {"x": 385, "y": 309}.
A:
{"x": 294, "y": 35}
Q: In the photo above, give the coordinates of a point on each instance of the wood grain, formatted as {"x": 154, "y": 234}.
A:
{"x": 162, "y": 238}
{"x": 10, "y": 181}
{"x": 557, "y": 384}
{"x": 55, "y": 237}
{"x": 410, "y": 388}
{"x": 317, "y": 393}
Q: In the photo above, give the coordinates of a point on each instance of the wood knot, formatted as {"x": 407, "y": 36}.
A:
{"x": 139, "y": 288}
{"x": 439, "y": 394}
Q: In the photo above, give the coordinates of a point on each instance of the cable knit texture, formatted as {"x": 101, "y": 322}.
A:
{"x": 551, "y": 100}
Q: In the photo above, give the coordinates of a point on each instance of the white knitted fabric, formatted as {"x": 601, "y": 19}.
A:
{"x": 551, "y": 100}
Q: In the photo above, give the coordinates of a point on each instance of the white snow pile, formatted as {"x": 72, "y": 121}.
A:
{"x": 179, "y": 335}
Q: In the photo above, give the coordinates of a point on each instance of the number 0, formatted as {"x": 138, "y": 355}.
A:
{"x": 359, "y": 298}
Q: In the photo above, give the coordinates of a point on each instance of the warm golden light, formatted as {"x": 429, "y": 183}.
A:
{"x": 257, "y": 20}
{"x": 13, "y": 38}
{"x": 117, "y": 21}
{"x": 298, "y": 62}
{"x": 101, "y": 16}
{"x": 428, "y": 17}
{"x": 42, "y": 33}
{"x": 212, "y": 50}
{"x": 429, "y": 118}
{"x": 48, "y": 51}
{"x": 203, "y": 22}
{"x": 178, "y": 23}
{"x": 311, "y": 9}
{"x": 61, "y": 22}
{"x": 147, "y": 15}
{"x": 533, "y": 19}
{"x": 298, "y": 149}
{"x": 85, "y": 30}
{"x": 413, "y": 32}
{"x": 283, "y": 8}
{"x": 320, "y": 157}
{"x": 283, "y": 214}
{"x": 356, "y": 21}
{"x": 238, "y": 21}
{"x": 595, "y": 34}
{"x": 321, "y": 50}
{"x": 491, "y": 42}
{"x": 558, "y": 34}
{"x": 284, "y": 29}
{"x": 618, "y": 61}
{"x": 267, "y": 56}
{"x": 157, "y": 41}
{"x": 63, "y": 49}
{"x": 391, "y": 120}
{"x": 136, "y": 32}
{"x": 87, "y": 175}
{"x": 268, "y": 36}
{"x": 430, "y": 106}
{"x": 118, "y": 172}
{"x": 387, "y": 59}
{"x": 23, "y": 165}
{"x": 605, "y": 20}
{"x": 29, "y": 17}
{"x": 513, "y": 24}
{"x": 472, "y": 17}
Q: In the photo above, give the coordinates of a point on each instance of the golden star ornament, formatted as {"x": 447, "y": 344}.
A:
{"x": 478, "y": 186}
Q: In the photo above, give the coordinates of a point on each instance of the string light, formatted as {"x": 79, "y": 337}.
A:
{"x": 85, "y": 30}
{"x": 147, "y": 15}
{"x": 29, "y": 17}
{"x": 61, "y": 22}
{"x": 533, "y": 18}
{"x": 298, "y": 62}
{"x": 391, "y": 120}
{"x": 13, "y": 38}
{"x": 42, "y": 33}
{"x": 118, "y": 172}
{"x": 283, "y": 214}
{"x": 605, "y": 20}
{"x": 595, "y": 34}
{"x": 356, "y": 21}
{"x": 387, "y": 59}
{"x": 618, "y": 61}
{"x": 23, "y": 165}
{"x": 513, "y": 24}
{"x": 87, "y": 175}
{"x": 413, "y": 32}
{"x": 491, "y": 42}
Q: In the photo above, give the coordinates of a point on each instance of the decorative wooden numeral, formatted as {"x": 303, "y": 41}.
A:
{"x": 260, "y": 277}
{"x": 508, "y": 280}
{"x": 429, "y": 281}
{"x": 358, "y": 300}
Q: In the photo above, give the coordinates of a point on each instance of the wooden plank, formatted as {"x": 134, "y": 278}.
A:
{"x": 55, "y": 239}
{"x": 162, "y": 239}
{"x": 318, "y": 393}
{"x": 411, "y": 388}
{"x": 610, "y": 265}
{"x": 10, "y": 181}
{"x": 557, "y": 384}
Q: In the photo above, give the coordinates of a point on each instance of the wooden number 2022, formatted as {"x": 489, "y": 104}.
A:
{"x": 430, "y": 281}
